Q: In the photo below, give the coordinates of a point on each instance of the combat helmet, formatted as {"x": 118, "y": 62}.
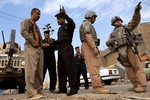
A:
{"x": 114, "y": 19}
{"x": 90, "y": 14}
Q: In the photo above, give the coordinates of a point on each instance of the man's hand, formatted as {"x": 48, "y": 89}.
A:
{"x": 36, "y": 44}
{"x": 46, "y": 45}
{"x": 62, "y": 10}
{"x": 138, "y": 7}
{"x": 110, "y": 42}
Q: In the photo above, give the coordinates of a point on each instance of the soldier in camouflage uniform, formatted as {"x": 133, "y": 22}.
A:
{"x": 90, "y": 51}
{"x": 118, "y": 42}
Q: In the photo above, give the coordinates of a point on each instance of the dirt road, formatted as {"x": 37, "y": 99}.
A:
{"x": 119, "y": 92}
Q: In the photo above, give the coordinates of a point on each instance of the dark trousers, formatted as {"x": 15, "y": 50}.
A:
{"x": 81, "y": 70}
{"x": 50, "y": 64}
{"x": 66, "y": 68}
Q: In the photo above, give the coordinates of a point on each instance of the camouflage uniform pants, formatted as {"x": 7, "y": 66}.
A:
{"x": 136, "y": 72}
{"x": 93, "y": 65}
{"x": 33, "y": 69}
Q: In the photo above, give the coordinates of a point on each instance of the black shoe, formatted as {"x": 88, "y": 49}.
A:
{"x": 51, "y": 91}
{"x": 59, "y": 91}
{"x": 86, "y": 87}
{"x": 72, "y": 92}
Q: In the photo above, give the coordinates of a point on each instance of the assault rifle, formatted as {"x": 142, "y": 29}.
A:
{"x": 131, "y": 41}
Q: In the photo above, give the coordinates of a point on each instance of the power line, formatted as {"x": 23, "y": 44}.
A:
{"x": 82, "y": 4}
{"x": 72, "y": 10}
{"x": 53, "y": 21}
{"x": 110, "y": 10}
{"x": 9, "y": 19}
{"x": 11, "y": 15}
{"x": 14, "y": 18}
{"x": 79, "y": 12}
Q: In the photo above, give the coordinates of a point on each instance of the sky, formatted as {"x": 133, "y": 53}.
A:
{"x": 13, "y": 12}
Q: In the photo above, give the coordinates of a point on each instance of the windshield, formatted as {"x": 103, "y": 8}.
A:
{"x": 18, "y": 58}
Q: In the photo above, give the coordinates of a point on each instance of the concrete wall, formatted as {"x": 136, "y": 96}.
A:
{"x": 144, "y": 29}
{"x": 109, "y": 58}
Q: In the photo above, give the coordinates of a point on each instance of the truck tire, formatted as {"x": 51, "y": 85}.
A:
{"x": 21, "y": 89}
{"x": 21, "y": 85}
{"x": 107, "y": 82}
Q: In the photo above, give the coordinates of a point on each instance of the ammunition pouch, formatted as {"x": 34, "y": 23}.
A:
{"x": 122, "y": 41}
{"x": 113, "y": 47}
{"x": 124, "y": 61}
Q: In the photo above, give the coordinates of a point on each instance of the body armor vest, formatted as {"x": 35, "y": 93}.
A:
{"x": 87, "y": 27}
{"x": 120, "y": 41}
{"x": 120, "y": 36}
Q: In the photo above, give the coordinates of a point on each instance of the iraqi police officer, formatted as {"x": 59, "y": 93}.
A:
{"x": 81, "y": 67}
{"x": 90, "y": 51}
{"x": 49, "y": 60}
{"x": 66, "y": 65}
{"x": 119, "y": 42}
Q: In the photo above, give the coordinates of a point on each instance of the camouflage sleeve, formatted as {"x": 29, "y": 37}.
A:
{"x": 134, "y": 21}
{"x": 25, "y": 31}
{"x": 88, "y": 36}
{"x": 87, "y": 29}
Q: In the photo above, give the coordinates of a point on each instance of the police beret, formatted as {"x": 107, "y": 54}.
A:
{"x": 59, "y": 15}
{"x": 46, "y": 31}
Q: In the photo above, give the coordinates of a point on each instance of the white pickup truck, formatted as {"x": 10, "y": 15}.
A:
{"x": 107, "y": 75}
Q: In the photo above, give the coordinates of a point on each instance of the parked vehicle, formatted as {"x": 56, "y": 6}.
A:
{"x": 12, "y": 69}
{"x": 107, "y": 75}
{"x": 147, "y": 70}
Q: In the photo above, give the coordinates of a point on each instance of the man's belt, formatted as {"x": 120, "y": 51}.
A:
{"x": 63, "y": 43}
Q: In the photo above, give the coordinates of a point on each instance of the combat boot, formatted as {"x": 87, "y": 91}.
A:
{"x": 140, "y": 89}
{"x": 102, "y": 90}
